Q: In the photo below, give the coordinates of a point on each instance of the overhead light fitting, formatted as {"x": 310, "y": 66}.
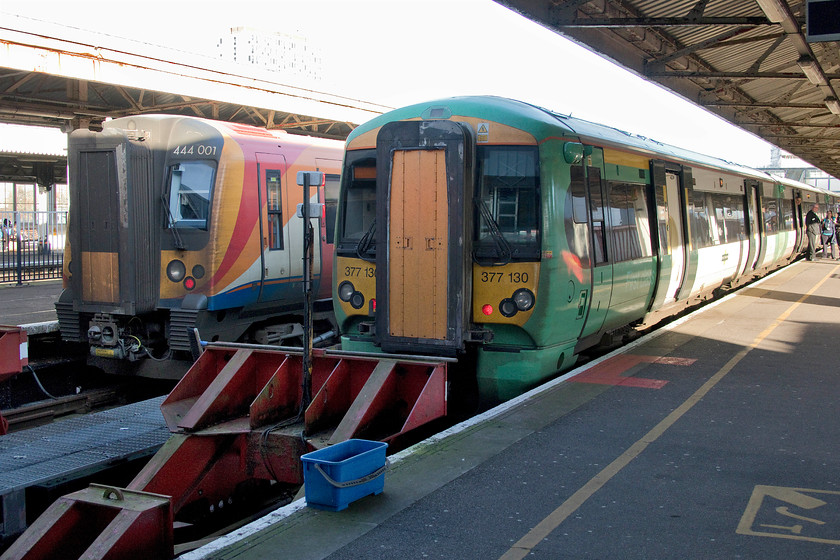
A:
{"x": 775, "y": 10}
{"x": 812, "y": 71}
{"x": 833, "y": 105}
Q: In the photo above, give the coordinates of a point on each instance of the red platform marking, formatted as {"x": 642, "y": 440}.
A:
{"x": 611, "y": 371}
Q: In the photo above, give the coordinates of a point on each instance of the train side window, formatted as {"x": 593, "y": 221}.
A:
{"x": 577, "y": 191}
{"x": 787, "y": 214}
{"x": 729, "y": 215}
{"x": 630, "y": 229}
{"x": 771, "y": 215}
{"x": 274, "y": 201}
{"x": 190, "y": 189}
{"x": 331, "y": 204}
{"x": 575, "y": 216}
{"x": 699, "y": 221}
{"x": 596, "y": 209}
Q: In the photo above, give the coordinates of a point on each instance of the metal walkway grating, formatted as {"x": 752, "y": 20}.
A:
{"x": 73, "y": 448}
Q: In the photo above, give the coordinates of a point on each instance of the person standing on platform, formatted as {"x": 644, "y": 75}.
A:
{"x": 814, "y": 230}
{"x": 829, "y": 240}
{"x": 837, "y": 228}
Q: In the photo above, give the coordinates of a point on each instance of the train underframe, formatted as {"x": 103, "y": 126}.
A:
{"x": 162, "y": 345}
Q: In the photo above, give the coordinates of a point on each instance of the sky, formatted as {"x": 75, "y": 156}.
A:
{"x": 398, "y": 52}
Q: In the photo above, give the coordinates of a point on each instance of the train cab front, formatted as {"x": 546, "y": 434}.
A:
{"x": 139, "y": 233}
{"x": 438, "y": 250}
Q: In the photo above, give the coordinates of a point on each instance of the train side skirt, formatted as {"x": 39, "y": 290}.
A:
{"x": 240, "y": 415}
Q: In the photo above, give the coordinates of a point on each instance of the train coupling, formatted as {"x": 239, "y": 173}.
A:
{"x": 481, "y": 336}
{"x": 108, "y": 341}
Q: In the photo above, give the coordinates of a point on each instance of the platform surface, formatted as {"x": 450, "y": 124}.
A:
{"x": 712, "y": 438}
{"x": 31, "y": 304}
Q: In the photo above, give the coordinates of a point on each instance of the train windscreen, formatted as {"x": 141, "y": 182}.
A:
{"x": 358, "y": 220}
{"x": 507, "y": 201}
{"x": 190, "y": 189}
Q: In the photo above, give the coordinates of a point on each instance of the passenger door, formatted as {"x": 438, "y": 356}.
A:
{"x": 602, "y": 270}
{"x": 675, "y": 235}
{"x": 671, "y": 228}
{"x": 755, "y": 219}
{"x": 275, "y": 269}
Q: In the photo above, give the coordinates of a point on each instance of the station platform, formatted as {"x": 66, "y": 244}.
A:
{"x": 31, "y": 305}
{"x": 714, "y": 437}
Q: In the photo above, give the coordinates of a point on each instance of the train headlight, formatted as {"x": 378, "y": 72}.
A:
{"x": 189, "y": 283}
{"x": 507, "y": 307}
{"x": 176, "y": 271}
{"x": 346, "y": 291}
{"x": 524, "y": 299}
{"x": 487, "y": 309}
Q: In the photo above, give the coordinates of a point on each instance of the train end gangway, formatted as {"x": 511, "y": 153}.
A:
{"x": 242, "y": 415}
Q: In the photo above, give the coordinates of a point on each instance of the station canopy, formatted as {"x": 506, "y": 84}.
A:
{"x": 750, "y": 61}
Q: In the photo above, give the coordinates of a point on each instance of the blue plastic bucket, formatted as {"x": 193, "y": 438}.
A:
{"x": 342, "y": 473}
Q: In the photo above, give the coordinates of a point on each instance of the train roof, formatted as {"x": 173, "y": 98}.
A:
{"x": 543, "y": 123}
{"x": 161, "y": 125}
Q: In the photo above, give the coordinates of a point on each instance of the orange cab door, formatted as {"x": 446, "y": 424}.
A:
{"x": 424, "y": 194}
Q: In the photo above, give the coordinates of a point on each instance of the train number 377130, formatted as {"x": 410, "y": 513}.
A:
{"x": 357, "y": 271}
{"x": 498, "y": 277}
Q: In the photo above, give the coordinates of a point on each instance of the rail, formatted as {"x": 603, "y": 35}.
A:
{"x": 31, "y": 245}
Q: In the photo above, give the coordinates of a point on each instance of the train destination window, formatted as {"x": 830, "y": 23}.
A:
{"x": 273, "y": 194}
{"x": 507, "y": 221}
{"x": 190, "y": 188}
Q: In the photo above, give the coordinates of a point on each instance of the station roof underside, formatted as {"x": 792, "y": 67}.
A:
{"x": 748, "y": 61}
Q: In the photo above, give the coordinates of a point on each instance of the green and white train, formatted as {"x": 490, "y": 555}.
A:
{"x": 515, "y": 238}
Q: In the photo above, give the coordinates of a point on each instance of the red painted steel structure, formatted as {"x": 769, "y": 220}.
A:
{"x": 238, "y": 416}
{"x": 14, "y": 354}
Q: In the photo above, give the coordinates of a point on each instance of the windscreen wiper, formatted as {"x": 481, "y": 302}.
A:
{"x": 179, "y": 243}
{"x": 504, "y": 252}
{"x": 367, "y": 241}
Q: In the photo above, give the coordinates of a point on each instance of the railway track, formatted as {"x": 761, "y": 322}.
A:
{"x": 45, "y": 411}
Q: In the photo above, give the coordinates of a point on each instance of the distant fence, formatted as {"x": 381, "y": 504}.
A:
{"x": 31, "y": 245}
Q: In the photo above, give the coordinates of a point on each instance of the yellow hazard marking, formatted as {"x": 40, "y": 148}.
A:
{"x": 808, "y": 515}
{"x": 544, "y": 528}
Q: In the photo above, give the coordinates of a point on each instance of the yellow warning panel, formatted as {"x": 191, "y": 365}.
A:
{"x": 801, "y": 514}
{"x": 418, "y": 245}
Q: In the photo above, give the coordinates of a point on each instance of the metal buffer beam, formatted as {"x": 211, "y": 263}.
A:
{"x": 237, "y": 420}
